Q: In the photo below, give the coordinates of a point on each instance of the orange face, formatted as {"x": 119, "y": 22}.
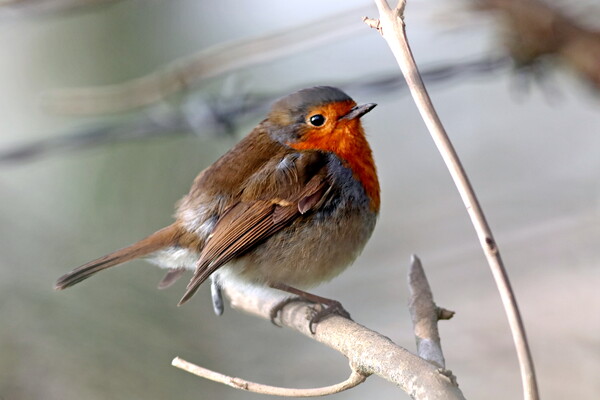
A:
{"x": 344, "y": 137}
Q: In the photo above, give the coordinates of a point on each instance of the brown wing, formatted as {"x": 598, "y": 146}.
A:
{"x": 270, "y": 207}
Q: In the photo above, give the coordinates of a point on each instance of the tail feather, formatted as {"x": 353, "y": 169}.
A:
{"x": 160, "y": 239}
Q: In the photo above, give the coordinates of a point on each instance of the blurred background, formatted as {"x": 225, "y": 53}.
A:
{"x": 86, "y": 172}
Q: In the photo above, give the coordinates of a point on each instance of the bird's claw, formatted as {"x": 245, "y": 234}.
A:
{"x": 333, "y": 307}
{"x": 279, "y": 306}
{"x": 320, "y": 311}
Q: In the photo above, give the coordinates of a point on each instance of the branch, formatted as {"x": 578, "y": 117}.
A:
{"x": 181, "y": 74}
{"x": 391, "y": 27}
{"x": 367, "y": 351}
{"x": 9, "y": 8}
{"x": 217, "y": 115}
{"x": 425, "y": 315}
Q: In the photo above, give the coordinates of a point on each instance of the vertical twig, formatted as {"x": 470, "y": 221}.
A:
{"x": 425, "y": 315}
{"x": 391, "y": 27}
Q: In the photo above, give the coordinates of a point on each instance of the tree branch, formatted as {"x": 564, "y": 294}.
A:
{"x": 367, "y": 351}
{"x": 391, "y": 27}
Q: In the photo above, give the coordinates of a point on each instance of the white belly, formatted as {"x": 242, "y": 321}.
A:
{"x": 175, "y": 258}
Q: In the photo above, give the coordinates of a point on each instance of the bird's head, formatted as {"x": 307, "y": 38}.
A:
{"x": 315, "y": 114}
{"x": 325, "y": 118}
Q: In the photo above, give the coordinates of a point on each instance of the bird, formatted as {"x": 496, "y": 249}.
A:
{"x": 290, "y": 206}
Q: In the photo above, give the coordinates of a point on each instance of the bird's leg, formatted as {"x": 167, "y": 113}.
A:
{"x": 330, "y": 306}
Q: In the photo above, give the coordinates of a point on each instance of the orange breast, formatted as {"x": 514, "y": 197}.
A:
{"x": 347, "y": 140}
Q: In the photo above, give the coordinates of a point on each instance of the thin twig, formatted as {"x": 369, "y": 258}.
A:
{"x": 425, "y": 315}
{"x": 355, "y": 379}
{"x": 391, "y": 27}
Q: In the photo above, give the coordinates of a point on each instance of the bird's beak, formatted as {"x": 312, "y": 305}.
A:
{"x": 359, "y": 111}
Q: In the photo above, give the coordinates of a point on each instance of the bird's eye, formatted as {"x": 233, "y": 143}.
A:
{"x": 317, "y": 120}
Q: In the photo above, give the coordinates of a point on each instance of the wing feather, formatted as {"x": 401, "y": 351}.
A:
{"x": 250, "y": 222}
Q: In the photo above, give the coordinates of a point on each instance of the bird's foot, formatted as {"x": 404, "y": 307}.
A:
{"x": 323, "y": 306}
{"x": 279, "y": 306}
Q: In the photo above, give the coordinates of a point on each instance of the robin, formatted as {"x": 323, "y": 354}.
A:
{"x": 289, "y": 207}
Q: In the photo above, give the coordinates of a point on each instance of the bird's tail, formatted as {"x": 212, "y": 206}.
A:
{"x": 160, "y": 239}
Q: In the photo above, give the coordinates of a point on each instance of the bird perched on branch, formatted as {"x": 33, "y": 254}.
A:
{"x": 289, "y": 207}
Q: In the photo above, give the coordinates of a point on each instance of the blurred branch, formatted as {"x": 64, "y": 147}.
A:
{"x": 535, "y": 31}
{"x": 367, "y": 351}
{"x": 355, "y": 379}
{"x": 425, "y": 315}
{"x": 199, "y": 115}
{"x": 143, "y": 128}
{"x": 19, "y": 8}
{"x": 391, "y": 26}
{"x": 222, "y": 114}
{"x": 183, "y": 73}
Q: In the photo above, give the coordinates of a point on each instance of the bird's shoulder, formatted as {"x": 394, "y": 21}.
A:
{"x": 243, "y": 160}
